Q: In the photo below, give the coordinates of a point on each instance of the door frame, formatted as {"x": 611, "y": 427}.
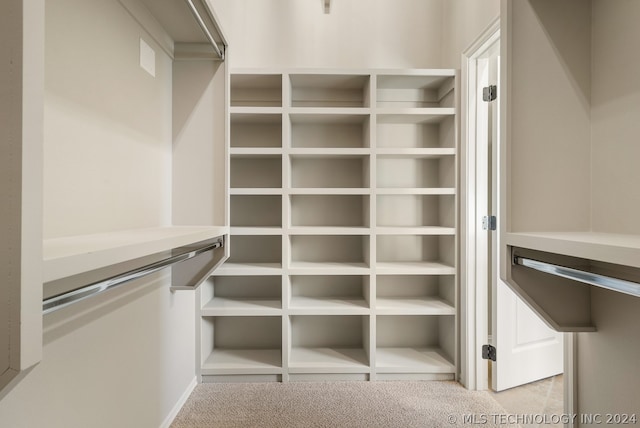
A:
{"x": 474, "y": 371}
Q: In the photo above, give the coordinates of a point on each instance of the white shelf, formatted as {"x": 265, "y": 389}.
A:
{"x": 255, "y": 191}
{"x": 412, "y": 360}
{"x": 328, "y": 230}
{"x": 68, "y": 256}
{"x": 317, "y": 113}
{"x": 328, "y": 360}
{"x": 237, "y": 230}
{"x": 255, "y": 110}
{"x": 239, "y": 269}
{"x": 406, "y": 268}
{"x": 327, "y": 306}
{"x": 243, "y": 361}
{"x": 413, "y": 306}
{"x": 329, "y": 191}
{"x": 416, "y": 191}
{"x": 604, "y": 247}
{"x": 255, "y": 151}
{"x": 433, "y": 152}
{"x": 329, "y": 152}
{"x": 413, "y": 115}
{"x": 310, "y": 268}
{"x": 415, "y": 230}
{"x": 220, "y": 306}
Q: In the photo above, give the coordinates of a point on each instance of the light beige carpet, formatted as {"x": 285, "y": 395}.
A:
{"x": 338, "y": 404}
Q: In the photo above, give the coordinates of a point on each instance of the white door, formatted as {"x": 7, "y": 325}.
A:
{"x": 526, "y": 348}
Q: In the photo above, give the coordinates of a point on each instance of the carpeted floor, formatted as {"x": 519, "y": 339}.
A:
{"x": 338, "y": 404}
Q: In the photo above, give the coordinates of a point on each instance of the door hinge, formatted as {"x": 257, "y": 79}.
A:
{"x": 489, "y": 93}
{"x": 489, "y": 222}
{"x": 488, "y": 352}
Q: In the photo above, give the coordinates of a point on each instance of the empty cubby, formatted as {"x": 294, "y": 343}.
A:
{"x": 415, "y": 131}
{"x": 256, "y": 249}
{"x": 390, "y": 287}
{"x": 256, "y": 210}
{"x": 329, "y": 90}
{"x": 256, "y": 90}
{"x": 329, "y": 131}
{"x": 330, "y": 171}
{"x": 415, "y": 91}
{"x": 255, "y": 130}
{"x": 416, "y": 249}
{"x": 331, "y": 249}
{"x": 256, "y": 171}
{"x": 416, "y": 172}
{"x": 330, "y": 210}
{"x": 243, "y": 288}
{"x": 338, "y": 287}
{"x": 415, "y": 210}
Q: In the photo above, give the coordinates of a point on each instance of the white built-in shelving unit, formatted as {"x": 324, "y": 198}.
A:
{"x": 343, "y": 247}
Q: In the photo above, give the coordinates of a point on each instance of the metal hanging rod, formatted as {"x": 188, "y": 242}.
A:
{"x": 63, "y": 300}
{"x": 205, "y": 29}
{"x": 610, "y": 283}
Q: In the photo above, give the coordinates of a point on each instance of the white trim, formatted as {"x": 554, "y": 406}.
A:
{"x": 178, "y": 406}
{"x": 570, "y": 377}
{"x": 474, "y": 371}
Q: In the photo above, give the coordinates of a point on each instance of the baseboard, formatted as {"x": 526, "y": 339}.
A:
{"x": 176, "y": 409}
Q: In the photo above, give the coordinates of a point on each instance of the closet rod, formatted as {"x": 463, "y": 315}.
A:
{"x": 610, "y": 283}
{"x": 204, "y": 29}
{"x": 63, "y": 300}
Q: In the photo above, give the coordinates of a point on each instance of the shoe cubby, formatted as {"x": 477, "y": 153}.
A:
{"x": 416, "y": 211}
{"x": 256, "y": 250}
{"x": 415, "y": 131}
{"x": 256, "y": 90}
{"x": 329, "y": 250}
{"x": 416, "y": 250}
{"x": 414, "y": 91}
{"x": 330, "y": 131}
{"x": 329, "y": 171}
{"x": 233, "y": 345}
{"x": 418, "y": 172}
{"x": 329, "y": 90}
{"x": 242, "y": 295}
{"x": 329, "y": 294}
{"x": 343, "y": 195}
{"x": 415, "y": 344}
{"x": 329, "y": 344}
{"x": 256, "y": 171}
{"x": 256, "y": 210}
{"x": 255, "y": 130}
{"x": 330, "y": 210}
{"x": 415, "y": 295}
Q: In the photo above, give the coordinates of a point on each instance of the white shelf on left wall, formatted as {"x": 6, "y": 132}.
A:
{"x": 68, "y": 256}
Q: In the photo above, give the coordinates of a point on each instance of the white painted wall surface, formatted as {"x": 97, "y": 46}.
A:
{"x": 123, "y": 359}
{"x": 464, "y": 22}
{"x": 356, "y": 34}
{"x": 107, "y": 145}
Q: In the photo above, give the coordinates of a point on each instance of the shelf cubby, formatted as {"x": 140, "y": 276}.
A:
{"x": 256, "y": 90}
{"x": 418, "y": 251}
{"x": 415, "y": 344}
{"x": 256, "y": 171}
{"x": 256, "y": 210}
{"x": 327, "y": 171}
{"x": 415, "y": 295}
{"x": 396, "y": 131}
{"x": 416, "y": 171}
{"x": 258, "y": 251}
{"x": 329, "y": 294}
{"x": 329, "y": 344}
{"x": 416, "y": 211}
{"x": 329, "y": 90}
{"x": 330, "y": 210}
{"x": 404, "y": 90}
{"x": 241, "y": 345}
{"x": 330, "y": 131}
{"x": 242, "y": 295}
{"x": 329, "y": 251}
{"x": 251, "y": 130}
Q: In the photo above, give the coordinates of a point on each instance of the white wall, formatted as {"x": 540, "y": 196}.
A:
{"x": 107, "y": 141}
{"x": 464, "y": 22}
{"x": 356, "y": 34}
{"x": 125, "y": 358}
